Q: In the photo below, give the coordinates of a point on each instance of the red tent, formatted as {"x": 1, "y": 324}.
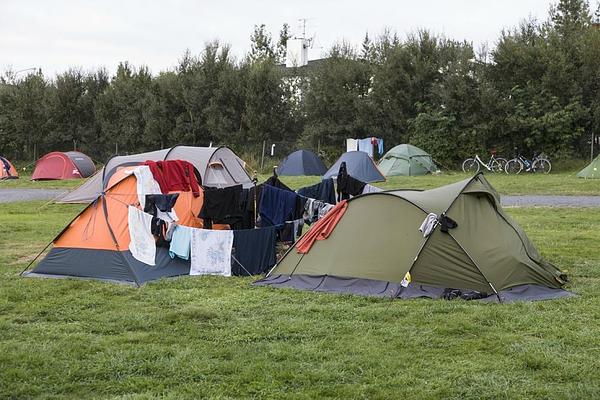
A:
{"x": 67, "y": 165}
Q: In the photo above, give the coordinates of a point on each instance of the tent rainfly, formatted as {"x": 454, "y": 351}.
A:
{"x": 407, "y": 160}
{"x": 302, "y": 163}
{"x": 359, "y": 166}
{"x": 7, "y": 170}
{"x": 95, "y": 245}
{"x": 218, "y": 167}
{"x": 592, "y": 171}
{"x": 58, "y": 165}
{"x": 474, "y": 246}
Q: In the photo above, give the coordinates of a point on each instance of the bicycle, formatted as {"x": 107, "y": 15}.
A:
{"x": 538, "y": 164}
{"x": 473, "y": 165}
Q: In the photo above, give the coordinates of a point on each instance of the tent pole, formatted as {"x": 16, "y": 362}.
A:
{"x": 478, "y": 269}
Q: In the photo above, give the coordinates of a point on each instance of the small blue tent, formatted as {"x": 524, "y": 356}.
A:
{"x": 359, "y": 165}
{"x": 302, "y": 162}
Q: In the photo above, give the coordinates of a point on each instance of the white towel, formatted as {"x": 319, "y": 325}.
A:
{"x": 428, "y": 224}
{"x": 146, "y": 184}
{"x": 142, "y": 244}
{"x": 211, "y": 252}
{"x": 351, "y": 144}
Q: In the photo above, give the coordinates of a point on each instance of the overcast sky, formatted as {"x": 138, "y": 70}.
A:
{"x": 57, "y": 34}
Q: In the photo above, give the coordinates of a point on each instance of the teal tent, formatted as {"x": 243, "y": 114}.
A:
{"x": 407, "y": 160}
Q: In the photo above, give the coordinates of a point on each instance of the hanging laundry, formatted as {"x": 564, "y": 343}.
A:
{"x": 291, "y": 231}
{"x": 346, "y": 185}
{"x": 351, "y": 145}
{"x": 222, "y": 206}
{"x": 371, "y": 189}
{"x": 325, "y": 209}
{"x": 366, "y": 146}
{"x": 145, "y": 183}
{"x": 250, "y": 206}
{"x": 380, "y": 147}
{"x": 175, "y": 175}
{"x": 141, "y": 244}
{"x": 180, "y": 242}
{"x": 211, "y": 252}
{"x": 275, "y": 182}
{"x": 429, "y": 224}
{"x": 255, "y": 250}
{"x": 323, "y": 228}
{"x": 161, "y": 206}
{"x": 324, "y": 191}
{"x": 276, "y": 206}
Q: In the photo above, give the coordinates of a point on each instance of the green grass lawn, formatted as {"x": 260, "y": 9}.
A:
{"x": 215, "y": 337}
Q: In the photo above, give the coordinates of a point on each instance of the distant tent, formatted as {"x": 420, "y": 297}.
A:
{"x": 302, "y": 163}
{"x": 218, "y": 167}
{"x": 592, "y": 171}
{"x": 407, "y": 160}
{"x": 67, "y": 165}
{"x": 359, "y": 166}
{"x": 473, "y": 245}
{"x": 7, "y": 170}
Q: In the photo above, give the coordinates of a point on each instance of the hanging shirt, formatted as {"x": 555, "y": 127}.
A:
{"x": 324, "y": 191}
{"x": 174, "y": 175}
{"x": 145, "y": 183}
{"x": 380, "y": 146}
{"x": 276, "y": 205}
{"x": 142, "y": 244}
{"x": 161, "y": 206}
{"x": 348, "y": 186}
{"x": 211, "y": 252}
{"x": 351, "y": 144}
{"x": 180, "y": 242}
{"x": 222, "y": 206}
{"x": 254, "y": 250}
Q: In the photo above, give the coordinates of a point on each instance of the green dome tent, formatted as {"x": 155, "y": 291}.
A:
{"x": 473, "y": 245}
{"x": 407, "y": 160}
{"x": 592, "y": 171}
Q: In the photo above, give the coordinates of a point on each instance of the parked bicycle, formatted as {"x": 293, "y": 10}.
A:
{"x": 538, "y": 164}
{"x": 474, "y": 165}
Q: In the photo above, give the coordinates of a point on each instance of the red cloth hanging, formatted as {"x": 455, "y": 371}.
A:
{"x": 174, "y": 175}
{"x": 323, "y": 228}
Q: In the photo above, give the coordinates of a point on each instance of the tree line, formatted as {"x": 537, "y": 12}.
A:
{"x": 536, "y": 90}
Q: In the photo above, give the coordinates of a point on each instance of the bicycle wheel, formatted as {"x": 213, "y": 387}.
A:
{"x": 502, "y": 162}
{"x": 513, "y": 166}
{"x": 496, "y": 166}
{"x": 542, "y": 166}
{"x": 470, "y": 165}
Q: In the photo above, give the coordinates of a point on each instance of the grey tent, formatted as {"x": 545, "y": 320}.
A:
{"x": 218, "y": 167}
{"x": 302, "y": 163}
{"x": 359, "y": 166}
{"x": 377, "y": 248}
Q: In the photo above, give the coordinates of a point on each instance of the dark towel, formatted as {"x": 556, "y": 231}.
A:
{"x": 175, "y": 175}
{"x": 255, "y": 250}
{"x": 276, "y": 205}
{"x": 323, "y": 191}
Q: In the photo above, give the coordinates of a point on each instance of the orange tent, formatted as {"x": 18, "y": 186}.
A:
{"x": 7, "y": 170}
{"x": 96, "y": 243}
